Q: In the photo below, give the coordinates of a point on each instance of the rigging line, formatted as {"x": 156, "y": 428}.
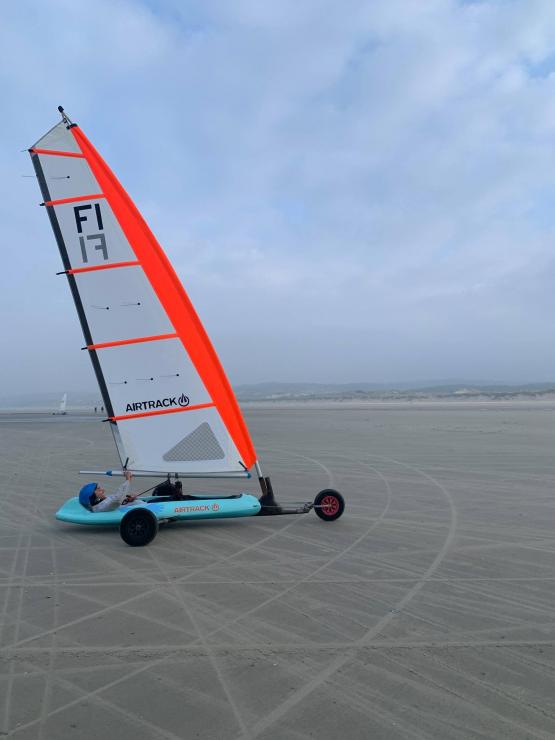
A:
{"x": 142, "y": 493}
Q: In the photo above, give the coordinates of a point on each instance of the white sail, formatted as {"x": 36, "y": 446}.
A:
{"x": 167, "y": 397}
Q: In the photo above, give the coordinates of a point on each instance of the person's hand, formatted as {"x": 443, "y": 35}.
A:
{"x": 128, "y": 475}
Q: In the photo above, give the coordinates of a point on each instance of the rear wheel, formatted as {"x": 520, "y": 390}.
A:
{"x": 329, "y": 505}
{"x": 138, "y": 527}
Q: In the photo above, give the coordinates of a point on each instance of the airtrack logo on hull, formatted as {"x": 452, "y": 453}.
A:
{"x": 188, "y": 509}
{"x": 160, "y": 403}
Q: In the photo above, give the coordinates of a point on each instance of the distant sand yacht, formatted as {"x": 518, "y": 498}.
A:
{"x": 62, "y": 410}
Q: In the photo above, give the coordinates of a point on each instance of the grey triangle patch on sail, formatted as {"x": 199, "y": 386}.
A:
{"x": 200, "y": 444}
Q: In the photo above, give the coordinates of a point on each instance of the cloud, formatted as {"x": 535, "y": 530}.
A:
{"x": 343, "y": 182}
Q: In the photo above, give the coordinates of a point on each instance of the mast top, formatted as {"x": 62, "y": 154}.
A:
{"x": 65, "y": 118}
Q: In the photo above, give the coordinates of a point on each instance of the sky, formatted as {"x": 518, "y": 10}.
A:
{"x": 354, "y": 191}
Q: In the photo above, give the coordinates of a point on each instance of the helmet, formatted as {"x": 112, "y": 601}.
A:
{"x": 86, "y": 494}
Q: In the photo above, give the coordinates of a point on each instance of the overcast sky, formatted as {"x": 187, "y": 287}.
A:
{"x": 349, "y": 191}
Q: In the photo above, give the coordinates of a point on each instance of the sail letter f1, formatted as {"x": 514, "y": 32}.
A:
{"x": 80, "y": 219}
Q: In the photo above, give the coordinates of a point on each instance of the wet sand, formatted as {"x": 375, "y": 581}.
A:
{"x": 427, "y": 611}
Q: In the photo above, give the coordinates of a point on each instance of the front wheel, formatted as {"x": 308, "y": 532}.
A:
{"x": 138, "y": 527}
{"x": 329, "y": 505}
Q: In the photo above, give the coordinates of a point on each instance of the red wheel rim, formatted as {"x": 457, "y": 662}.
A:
{"x": 330, "y": 505}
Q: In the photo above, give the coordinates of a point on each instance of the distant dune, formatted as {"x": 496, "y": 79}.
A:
{"x": 448, "y": 390}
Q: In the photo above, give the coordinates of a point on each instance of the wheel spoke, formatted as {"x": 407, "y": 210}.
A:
{"x": 330, "y": 505}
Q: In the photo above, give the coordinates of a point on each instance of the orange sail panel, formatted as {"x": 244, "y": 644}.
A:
{"x": 126, "y": 312}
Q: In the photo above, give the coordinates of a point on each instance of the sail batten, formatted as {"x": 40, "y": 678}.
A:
{"x": 77, "y": 270}
{"x": 144, "y": 414}
{"x": 61, "y": 201}
{"x": 55, "y": 153}
{"x": 134, "y": 340}
{"x": 151, "y": 354}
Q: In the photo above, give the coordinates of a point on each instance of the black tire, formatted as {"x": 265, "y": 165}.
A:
{"x": 138, "y": 527}
{"x": 329, "y": 505}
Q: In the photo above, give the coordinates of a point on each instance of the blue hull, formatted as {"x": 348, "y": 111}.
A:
{"x": 194, "y": 508}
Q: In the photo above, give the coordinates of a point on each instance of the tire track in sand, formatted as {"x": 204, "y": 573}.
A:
{"x": 323, "y": 676}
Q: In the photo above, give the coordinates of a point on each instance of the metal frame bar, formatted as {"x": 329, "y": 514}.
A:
{"x": 165, "y": 474}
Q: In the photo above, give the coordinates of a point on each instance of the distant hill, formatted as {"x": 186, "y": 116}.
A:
{"x": 457, "y": 390}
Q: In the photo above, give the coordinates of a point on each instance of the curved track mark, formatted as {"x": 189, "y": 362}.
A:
{"x": 298, "y": 696}
{"x": 155, "y": 588}
{"x": 312, "y": 573}
{"x": 34, "y": 507}
{"x": 201, "y": 638}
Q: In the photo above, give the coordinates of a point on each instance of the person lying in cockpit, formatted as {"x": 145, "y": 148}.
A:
{"x": 94, "y": 498}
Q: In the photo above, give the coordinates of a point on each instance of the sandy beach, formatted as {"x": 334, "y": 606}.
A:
{"x": 426, "y": 611}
